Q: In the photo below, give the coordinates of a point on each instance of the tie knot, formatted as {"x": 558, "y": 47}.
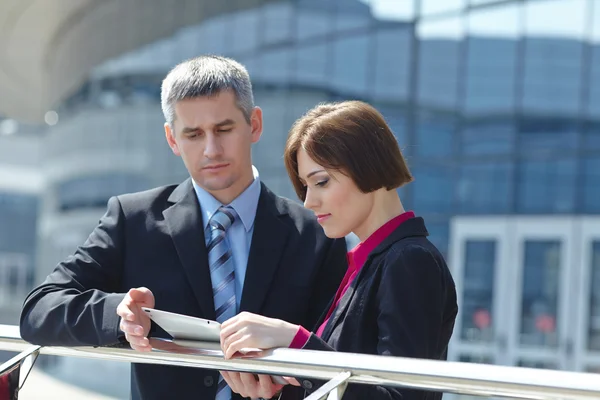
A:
{"x": 222, "y": 219}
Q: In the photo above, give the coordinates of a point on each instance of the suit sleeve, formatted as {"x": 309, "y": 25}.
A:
{"x": 76, "y": 304}
{"x": 327, "y": 280}
{"x": 409, "y": 315}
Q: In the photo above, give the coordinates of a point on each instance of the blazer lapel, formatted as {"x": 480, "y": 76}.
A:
{"x": 340, "y": 310}
{"x": 185, "y": 225}
{"x": 268, "y": 242}
{"x": 412, "y": 227}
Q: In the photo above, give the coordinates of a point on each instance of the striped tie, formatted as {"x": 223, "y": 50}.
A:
{"x": 222, "y": 275}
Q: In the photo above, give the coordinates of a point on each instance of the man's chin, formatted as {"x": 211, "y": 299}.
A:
{"x": 214, "y": 185}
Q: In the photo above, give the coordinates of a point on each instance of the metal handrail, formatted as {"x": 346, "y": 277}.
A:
{"x": 446, "y": 376}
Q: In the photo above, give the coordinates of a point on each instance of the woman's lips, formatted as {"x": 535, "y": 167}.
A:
{"x": 322, "y": 217}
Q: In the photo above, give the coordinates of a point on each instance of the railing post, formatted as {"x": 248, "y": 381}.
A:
{"x": 14, "y": 372}
{"x": 332, "y": 390}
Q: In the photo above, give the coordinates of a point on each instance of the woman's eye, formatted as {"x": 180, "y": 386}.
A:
{"x": 322, "y": 183}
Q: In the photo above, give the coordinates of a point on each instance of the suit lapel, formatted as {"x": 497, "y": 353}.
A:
{"x": 185, "y": 225}
{"x": 268, "y": 242}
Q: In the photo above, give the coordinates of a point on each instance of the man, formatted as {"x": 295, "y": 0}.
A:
{"x": 217, "y": 244}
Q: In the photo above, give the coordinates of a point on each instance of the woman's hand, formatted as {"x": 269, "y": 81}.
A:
{"x": 247, "y": 330}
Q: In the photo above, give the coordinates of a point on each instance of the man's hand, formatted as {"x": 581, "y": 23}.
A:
{"x": 134, "y": 321}
{"x": 248, "y": 386}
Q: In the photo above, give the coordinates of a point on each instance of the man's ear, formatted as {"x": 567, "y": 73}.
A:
{"x": 170, "y": 136}
{"x": 256, "y": 122}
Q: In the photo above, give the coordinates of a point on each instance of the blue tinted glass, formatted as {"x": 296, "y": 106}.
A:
{"x": 546, "y": 186}
{"x": 553, "y": 54}
{"x": 396, "y": 120}
{"x": 435, "y": 135}
{"x": 391, "y": 68}
{"x": 478, "y": 291}
{"x": 433, "y": 188}
{"x": 539, "y": 305}
{"x": 593, "y": 106}
{"x": 488, "y": 137}
{"x": 591, "y": 184}
{"x": 438, "y": 72}
{"x": 19, "y": 212}
{"x": 543, "y": 135}
{"x": 594, "y": 311}
{"x": 94, "y": 191}
{"x": 439, "y": 235}
{"x": 492, "y": 59}
{"x": 485, "y": 188}
{"x": 350, "y": 68}
{"x": 591, "y": 137}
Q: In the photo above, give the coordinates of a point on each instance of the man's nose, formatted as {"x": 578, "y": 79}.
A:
{"x": 213, "y": 147}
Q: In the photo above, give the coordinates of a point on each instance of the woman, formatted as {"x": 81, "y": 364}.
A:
{"x": 398, "y": 297}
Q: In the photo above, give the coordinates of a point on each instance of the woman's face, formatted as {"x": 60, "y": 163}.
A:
{"x": 340, "y": 206}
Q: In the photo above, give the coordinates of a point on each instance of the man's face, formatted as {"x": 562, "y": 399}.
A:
{"x": 214, "y": 140}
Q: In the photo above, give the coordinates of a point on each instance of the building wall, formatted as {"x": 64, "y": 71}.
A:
{"x": 20, "y": 188}
{"x": 496, "y": 107}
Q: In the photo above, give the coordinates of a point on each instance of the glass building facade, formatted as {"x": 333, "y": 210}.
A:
{"x": 496, "y": 105}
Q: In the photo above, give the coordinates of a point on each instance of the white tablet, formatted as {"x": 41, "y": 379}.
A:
{"x": 184, "y": 327}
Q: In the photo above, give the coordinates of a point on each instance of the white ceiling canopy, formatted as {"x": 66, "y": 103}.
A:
{"x": 47, "y": 47}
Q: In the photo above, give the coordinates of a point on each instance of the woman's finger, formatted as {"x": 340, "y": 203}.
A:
{"x": 237, "y": 345}
{"x": 231, "y": 328}
{"x": 230, "y": 339}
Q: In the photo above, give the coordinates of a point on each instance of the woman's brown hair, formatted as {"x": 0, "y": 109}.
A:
{"x": 351, "y": 137}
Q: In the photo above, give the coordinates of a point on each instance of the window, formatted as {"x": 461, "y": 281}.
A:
{"x": 591, "y": 184}
{"x": 439, "y": 61}
{"x": 594, "y": 64}
{"x": 396, "y": 120}
{"x": 488, "y": 137}
{"x": 439, "y": 235}
{"x": 478, "y": 291}
{"x": 94, "y": 191}
{"x": 18, "y": 222}
{"x": 392, "y": 68}
{"x": 433, "y": 188}
{"x": 277, "y": 23}
{"x": 553, "y": 55}
{"x": 594, "y": 316}
{"x": 546, "y": 186}
{"x": 547, "y": 135}
{"x": 350, "y": 70}
{"x": 311, "y": 65}
{"x": 435, "y": 134}
{"x": 485, "y": 188}
{"x": 14, "y": 278}
{"x": 591, "y": 137}
{"x": 539, "y": 306}
{"x": 491, "y": 60}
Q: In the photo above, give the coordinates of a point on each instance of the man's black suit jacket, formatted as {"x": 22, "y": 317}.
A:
{"x": 155, "y": 239}
{"x": 402, "y": 303}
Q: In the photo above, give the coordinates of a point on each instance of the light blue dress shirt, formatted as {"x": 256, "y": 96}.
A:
{"x": 239, "y": 235}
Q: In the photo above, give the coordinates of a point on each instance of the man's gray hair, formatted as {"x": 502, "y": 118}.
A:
{"x": 206, "y": 76}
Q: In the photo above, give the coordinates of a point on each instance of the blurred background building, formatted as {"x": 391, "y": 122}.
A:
{"x": 496, "y": 105}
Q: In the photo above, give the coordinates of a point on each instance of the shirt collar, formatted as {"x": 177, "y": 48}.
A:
{"x": 359, "y": 254}
{"x": 245, "y": 204}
